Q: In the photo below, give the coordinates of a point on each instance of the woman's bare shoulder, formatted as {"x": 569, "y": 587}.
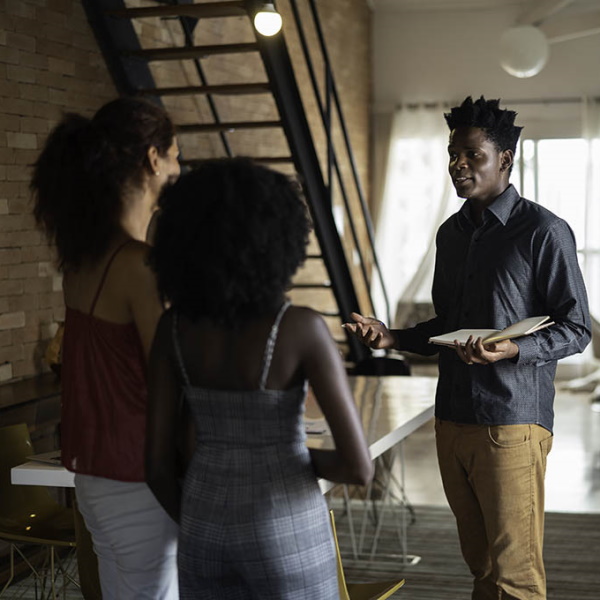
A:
{"x": 302, "y": 314}
{"x": 132, "y": 264}
{"x": 134, "y": 251}
{"x": 306, "y": 322}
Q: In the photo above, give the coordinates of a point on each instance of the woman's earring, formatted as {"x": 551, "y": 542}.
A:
{"x": 157, "y": 173}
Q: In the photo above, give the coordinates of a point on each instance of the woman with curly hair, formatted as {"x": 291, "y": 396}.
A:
{"x": 96, "y": 184}
{"x": 253, "y": 522}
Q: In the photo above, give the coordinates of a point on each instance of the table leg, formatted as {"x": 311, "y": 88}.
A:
{"x": 380, "y": 509}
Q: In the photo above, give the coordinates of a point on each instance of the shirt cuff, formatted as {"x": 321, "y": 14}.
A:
{"x": 528, "y": 350}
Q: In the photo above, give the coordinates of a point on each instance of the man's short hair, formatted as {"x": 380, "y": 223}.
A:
{"x": 497, "y": 123}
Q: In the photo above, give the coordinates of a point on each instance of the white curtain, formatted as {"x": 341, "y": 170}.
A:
{"x": 417, "y": 197}
{"x": 589, "y": 247}
{"x": 591, "y": 242}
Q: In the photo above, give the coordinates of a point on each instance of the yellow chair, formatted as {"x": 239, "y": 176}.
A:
{"x": 379, "y": 590}
{"x": 30, "y": 515}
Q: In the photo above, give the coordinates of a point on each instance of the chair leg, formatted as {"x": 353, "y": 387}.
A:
{"x": 12, "y": 570}
{"x": 52, "y": 573}
{"x": 34, "y": 571}
{"x": 45, "y": 583}
{"x": 39, "y": 575}
{"x": 70, "y": 562}
{"x": 61, "y": 566}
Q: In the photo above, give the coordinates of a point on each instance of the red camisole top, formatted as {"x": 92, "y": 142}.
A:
{"x": 104, "y": 393}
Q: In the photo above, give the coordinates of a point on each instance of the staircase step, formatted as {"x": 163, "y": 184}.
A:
{"x": 216, "y": 90}
{"x": 216, "y": 127}
{"x": 205, "y": 10}
{"x": 312, "y": 286}
{"x": 194, "y": 162}
{"x": 273, "y": 160}
{"x": 191, "y": 52}
{"x": 329, "y": 313}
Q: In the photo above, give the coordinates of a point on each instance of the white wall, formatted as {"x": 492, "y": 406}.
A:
{"x": 431, "y": 56}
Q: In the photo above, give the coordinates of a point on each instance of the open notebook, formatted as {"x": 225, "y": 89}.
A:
{"x": 519, "y": 329}
{"x": 48, "y": 458}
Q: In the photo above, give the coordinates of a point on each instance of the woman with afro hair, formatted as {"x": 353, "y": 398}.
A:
{"x": 253, "y": 522}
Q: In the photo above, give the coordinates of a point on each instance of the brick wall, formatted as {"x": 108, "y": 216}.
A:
{"x": 50, "y": 63}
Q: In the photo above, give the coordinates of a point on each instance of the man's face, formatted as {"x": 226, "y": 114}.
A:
{"x": 478, "y": 170}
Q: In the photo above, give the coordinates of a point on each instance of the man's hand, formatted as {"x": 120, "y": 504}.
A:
{"x": 370, "y": 332}
{"x": 475, "y": 352}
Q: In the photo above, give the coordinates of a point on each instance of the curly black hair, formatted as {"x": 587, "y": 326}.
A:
{"x": 85, "y": 166}
{"x": 498, "y": 124}
{"x": 229, "y": 237}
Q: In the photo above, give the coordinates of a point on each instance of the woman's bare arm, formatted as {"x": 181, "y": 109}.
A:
{"x": 164, "y": 397}
{"x": 350, "y": 462}
{"x": 144, "y": 300}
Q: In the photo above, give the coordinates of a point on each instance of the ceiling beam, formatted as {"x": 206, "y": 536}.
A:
{"x": 572, "y": 27}
{"x": 539, "y": 10}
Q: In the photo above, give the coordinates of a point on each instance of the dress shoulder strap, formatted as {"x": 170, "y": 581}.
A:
{"x": 177, "y": 347}
{"x": 268, "y": 355}
{"x": 106, "y": 269}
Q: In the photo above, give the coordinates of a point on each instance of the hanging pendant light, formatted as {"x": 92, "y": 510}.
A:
{"x": 524, "y": 51}
{"x": 267, "y": 20}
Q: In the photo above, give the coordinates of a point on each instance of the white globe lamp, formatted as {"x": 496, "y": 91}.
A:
{"x": 524, "y": 51}
{"x": 267, "y": 20}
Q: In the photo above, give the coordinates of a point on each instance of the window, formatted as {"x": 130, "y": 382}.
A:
{"x": 563, "y": 175}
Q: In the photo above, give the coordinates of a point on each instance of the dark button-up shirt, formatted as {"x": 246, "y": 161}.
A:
{"x": 521, "y": 262}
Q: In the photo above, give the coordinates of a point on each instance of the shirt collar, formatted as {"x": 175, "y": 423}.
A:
{"x": 501, "y": 207}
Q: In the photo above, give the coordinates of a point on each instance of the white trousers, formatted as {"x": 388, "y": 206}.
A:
{"x": 135, "y": 540}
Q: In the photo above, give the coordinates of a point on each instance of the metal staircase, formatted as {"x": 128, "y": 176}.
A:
{"x": 336, "y": 279}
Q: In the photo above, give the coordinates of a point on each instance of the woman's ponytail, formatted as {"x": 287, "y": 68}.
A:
{"x": 73, "y": 202}
{"x": 85, "y": 169}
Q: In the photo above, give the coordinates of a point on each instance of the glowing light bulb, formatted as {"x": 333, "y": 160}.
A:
{"x": 267, "y": 20}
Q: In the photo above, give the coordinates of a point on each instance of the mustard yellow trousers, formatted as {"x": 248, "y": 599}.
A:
{"x": 493, "y": 477}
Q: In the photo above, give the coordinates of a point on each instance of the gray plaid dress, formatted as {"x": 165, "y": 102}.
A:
{"x": 254, "y": 524}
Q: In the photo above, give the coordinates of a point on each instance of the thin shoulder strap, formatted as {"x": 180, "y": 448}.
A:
{"x": 106, "y": 269}
{"x": 177, "y": 347}
{"x": 268, "y": 355}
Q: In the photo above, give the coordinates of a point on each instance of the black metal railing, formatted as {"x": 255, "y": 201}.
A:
{"x": 326, "y": 102}
{"x": 128, "y": 63}
{"x": 187, "y": 25}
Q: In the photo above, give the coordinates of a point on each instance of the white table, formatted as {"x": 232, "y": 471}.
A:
{"x": 37, "y": 473}
{"x": 391, "y": 408}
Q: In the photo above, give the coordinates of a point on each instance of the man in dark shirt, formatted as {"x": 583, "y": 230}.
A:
{"x": 500, "y": 259}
